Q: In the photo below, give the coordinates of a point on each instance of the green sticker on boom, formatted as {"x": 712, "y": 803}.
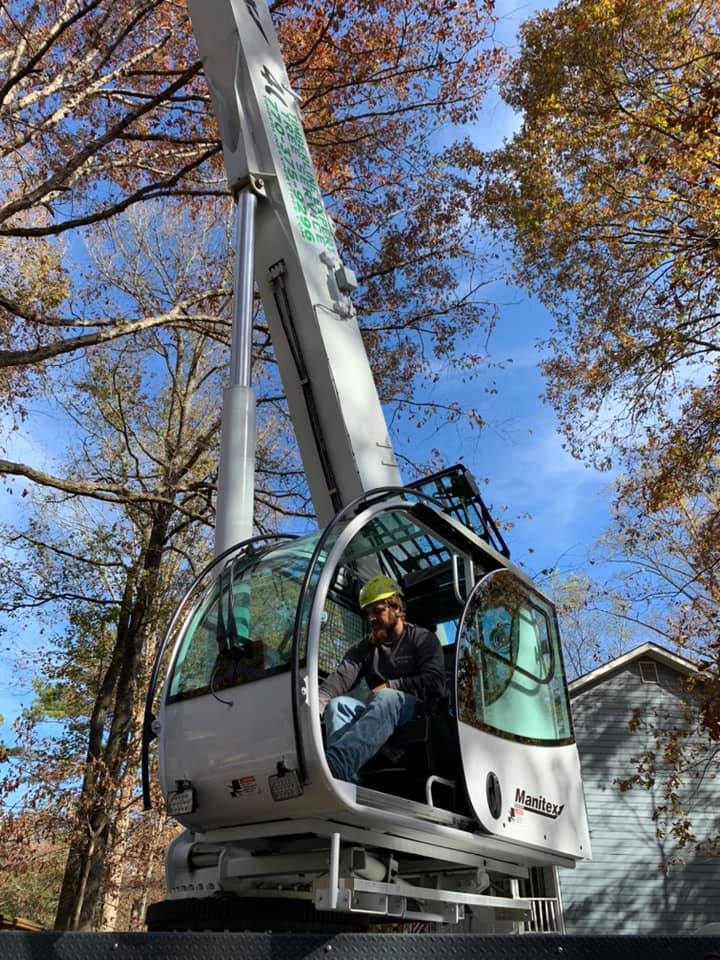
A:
{"x": 305, "y": 199}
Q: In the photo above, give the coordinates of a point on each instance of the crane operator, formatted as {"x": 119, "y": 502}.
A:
{"x": 402, "y": 665}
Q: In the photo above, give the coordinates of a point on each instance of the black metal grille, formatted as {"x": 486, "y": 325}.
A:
{"x": 456, "y": 490}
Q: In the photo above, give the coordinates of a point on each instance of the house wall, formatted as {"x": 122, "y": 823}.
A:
{"x": 623, "y": 889}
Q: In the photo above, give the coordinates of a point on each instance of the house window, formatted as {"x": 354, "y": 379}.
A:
{"x": 648, "y": 671}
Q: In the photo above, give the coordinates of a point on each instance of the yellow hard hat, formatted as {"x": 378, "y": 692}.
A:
{"x": 379, "y": 588}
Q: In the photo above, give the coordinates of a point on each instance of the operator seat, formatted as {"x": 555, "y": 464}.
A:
{"x": 425, "y": 747}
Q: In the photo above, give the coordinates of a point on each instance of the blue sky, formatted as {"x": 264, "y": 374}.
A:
{"x": 557, "y": 506}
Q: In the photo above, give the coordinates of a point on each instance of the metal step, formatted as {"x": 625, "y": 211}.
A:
{"x": 387, "y": 801}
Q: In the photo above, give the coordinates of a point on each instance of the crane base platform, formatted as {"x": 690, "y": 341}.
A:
{"x": 15, "y": 945}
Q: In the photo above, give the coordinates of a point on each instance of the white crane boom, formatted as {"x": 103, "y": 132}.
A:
{"x": 305, "y": 288}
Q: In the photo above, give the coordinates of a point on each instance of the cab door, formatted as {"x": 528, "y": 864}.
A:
{"x": 518, "y": 752}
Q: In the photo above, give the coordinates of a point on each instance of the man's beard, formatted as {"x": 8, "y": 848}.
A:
{"x": 383, "y": 634}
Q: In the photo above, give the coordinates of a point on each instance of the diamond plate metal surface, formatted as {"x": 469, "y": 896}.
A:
{"x": 369, "y": 946}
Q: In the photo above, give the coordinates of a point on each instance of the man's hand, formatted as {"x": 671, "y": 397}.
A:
{"x": 383, "y": 686}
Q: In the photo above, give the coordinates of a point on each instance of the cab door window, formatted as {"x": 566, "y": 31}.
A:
{"x": 510, "y": 674}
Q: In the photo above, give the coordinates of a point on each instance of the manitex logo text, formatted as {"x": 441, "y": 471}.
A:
{"x": 538, "y": 804}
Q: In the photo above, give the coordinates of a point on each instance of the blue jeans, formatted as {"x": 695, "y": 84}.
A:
{"x": 355, "y": 731}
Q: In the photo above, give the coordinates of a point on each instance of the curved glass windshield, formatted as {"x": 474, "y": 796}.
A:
{"x": 510, "y": 675}
{"x": 242, "y": 630}
{"x": 394, "y": 543}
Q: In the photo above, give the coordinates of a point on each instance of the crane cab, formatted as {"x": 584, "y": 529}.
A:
{"x": 490, "y": 772}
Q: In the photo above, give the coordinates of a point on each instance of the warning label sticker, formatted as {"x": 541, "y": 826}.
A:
{"x": 243, "y": 786}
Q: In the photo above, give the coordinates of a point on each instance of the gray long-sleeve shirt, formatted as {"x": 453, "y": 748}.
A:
{"x": 412, "y": 663}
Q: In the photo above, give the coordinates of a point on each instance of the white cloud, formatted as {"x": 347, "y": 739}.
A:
{"x": 566, "y": 501}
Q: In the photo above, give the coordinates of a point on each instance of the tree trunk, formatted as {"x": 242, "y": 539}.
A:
{"x": 84, "y": 879}
{"x": 116, "y": 864}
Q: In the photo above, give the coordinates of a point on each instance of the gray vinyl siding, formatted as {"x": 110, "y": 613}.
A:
{"x": 623, "y": 889}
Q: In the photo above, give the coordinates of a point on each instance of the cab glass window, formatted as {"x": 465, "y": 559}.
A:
{"x": 510, "y": 674}
{"x": 392, "y": 543}
{"x": 242, "y": 630}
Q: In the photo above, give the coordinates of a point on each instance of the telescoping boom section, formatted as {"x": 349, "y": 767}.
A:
{"x": 304, "y": 286}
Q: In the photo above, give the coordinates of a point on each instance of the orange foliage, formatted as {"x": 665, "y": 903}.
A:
{"x": 611, "y": 193}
